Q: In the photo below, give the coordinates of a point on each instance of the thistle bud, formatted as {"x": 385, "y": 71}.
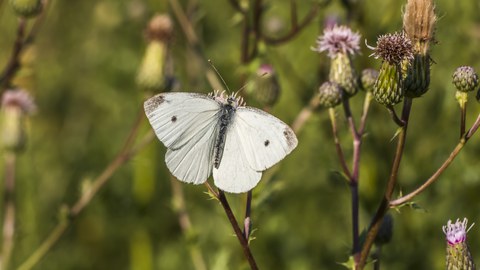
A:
{"x": 396, "y": 50}
{"x": 465, "y": 79}
{"x": 385, "y": 232}
{"x": 264, "y": 86}
{"x": 369, "y": 76}
{"x": 417, "y": 77}
{"x": 330, "y": 94}
{"x": 151, "y": 72}
{"x": 16, "y": 104}
{"x": 458, "y": 254}
{"x": 26, "y": 8}
{"x": 343, "y": 73}
{"x": 341, "y": 43}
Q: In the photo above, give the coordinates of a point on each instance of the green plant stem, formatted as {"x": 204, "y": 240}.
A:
{"x": 442, "y": 168}
{"x": 238, "y": 232}
{"x": 46, "y": 245}
{"x": 247, "y": 223}
{"x": 395, "y": 117}
{"x": 179, "y": 205}
{"x": 8, "y": 229}
{"x": 295, "y": 26}
{"x": 366, "y": 107}
{"x": 194, "y": 43}
{"x": 127, "y": 152}
{"x": 338, "y": 146}
{"x": 463, "y": 117}
{"x": 384, "y": 205}
{"x": 14, "y": 61}
{"x": 376, "y": 257}
{"x": 357, "y": 142}
{"x": 21, "y": 41}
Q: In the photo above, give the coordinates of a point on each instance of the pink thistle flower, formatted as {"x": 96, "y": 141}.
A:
{"x": 458, "y": 254}
{"x": 456, "y": 232}
{"x": 19, "y": 98}
{"x": 338, "y": 39}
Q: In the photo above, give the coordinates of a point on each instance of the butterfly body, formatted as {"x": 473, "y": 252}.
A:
{"x": 217, "y": 134}
{"x": 227, "y": 113}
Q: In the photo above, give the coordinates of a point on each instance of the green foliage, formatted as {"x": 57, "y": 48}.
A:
{"x": 85, "y": 61}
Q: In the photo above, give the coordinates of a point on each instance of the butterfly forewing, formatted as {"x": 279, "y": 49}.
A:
{"x": 187, "y": 124}
{"x": 177, "y": 117}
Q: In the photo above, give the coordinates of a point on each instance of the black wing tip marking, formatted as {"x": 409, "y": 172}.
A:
{"x": 290, "y": 137}
{"x": 152, "y": 103}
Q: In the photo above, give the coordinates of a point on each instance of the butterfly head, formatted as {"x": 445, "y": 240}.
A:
{"x": 231, "y": 99}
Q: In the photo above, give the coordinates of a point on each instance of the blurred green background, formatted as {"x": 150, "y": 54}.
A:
{"x": 81, "y": 70}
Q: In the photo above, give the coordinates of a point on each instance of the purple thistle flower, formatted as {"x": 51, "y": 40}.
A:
{"x": 338, "y": 39}
{"x": 456, "y": 232}
{"x": 19, "y": 98}
{"x": 393, "y": 48}
{"x": 458, "y": 255}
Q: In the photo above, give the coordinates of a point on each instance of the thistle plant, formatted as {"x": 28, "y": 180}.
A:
{"x": 396, "y": 52}
{"x": 341, "y": 43}
{"x": 465, "y": 80}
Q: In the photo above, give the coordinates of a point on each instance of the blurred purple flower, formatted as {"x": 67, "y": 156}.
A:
{"x": 19, "y": 98}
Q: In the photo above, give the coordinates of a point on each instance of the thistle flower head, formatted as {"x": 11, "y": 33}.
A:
{"x": 393, "y": 48}
{"x": 456, "y": 232}
{"x": 19, "y": 98}
{"x": 458, "y": 254}
{"x": 338, "y": 39}
{"x": 419, "y": 23}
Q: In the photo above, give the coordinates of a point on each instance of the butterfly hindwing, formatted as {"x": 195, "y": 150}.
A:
{"x": 255, "y": 141}
{"x": 265, "y": 139}
{"x": 235, "y": 174}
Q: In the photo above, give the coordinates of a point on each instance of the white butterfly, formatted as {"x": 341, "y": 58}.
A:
{"x": 215, "y": 132}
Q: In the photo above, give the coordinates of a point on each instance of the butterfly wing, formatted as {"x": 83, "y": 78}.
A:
{"x": 186, "y": 123}
{"x": 255, "y": 141}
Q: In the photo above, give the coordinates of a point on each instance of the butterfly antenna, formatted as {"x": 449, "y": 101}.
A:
{"x": 246, "y": 84}
{"x": 218, "y": 73}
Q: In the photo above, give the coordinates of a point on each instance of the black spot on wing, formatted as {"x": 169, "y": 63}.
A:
{"x": 174, "y": 119}
{"x": 266, "y": 143}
